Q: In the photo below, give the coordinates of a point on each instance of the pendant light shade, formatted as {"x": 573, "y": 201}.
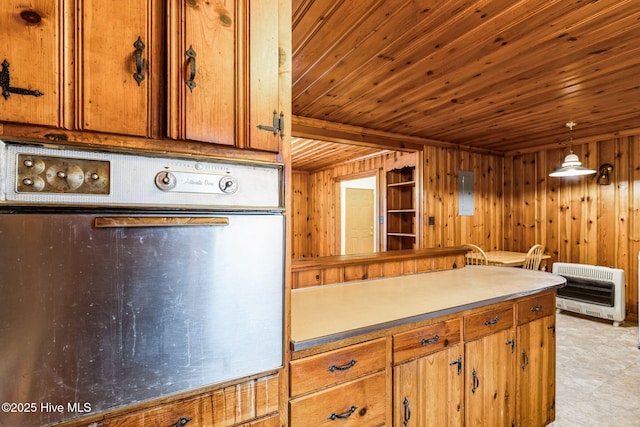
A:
{"x": 571, "y": 165}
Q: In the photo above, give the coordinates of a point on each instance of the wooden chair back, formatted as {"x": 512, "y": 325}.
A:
{"x": 534, "y": 257}
{"x": 475, "y": 256}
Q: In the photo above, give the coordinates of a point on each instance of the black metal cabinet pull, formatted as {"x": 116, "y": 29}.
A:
{"x": 138, "y": 75}
{"x": 525, "y": 359}
{"x": 491, "y": 322}
{"x": 191, "y": 54}
{"x": 347, "y": 414}
{"x": 181, "y": 422}
{"x": 430, "y": 341}
{"x": 407, "y": 412}
{"x": 334, "y": 368}
{"x": 476, "y": 382}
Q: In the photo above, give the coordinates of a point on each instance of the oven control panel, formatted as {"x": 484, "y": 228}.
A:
{"x": 189, "y": 182}
{"x": 32, "y": 174}
{"x": 61, "y": 175}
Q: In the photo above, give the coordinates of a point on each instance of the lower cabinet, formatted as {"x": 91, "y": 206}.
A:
{"x": 536, "y": 367}
{"x": 428, "y": 391}
{"x": 348, "y": 385}
{"x": 490, "y": 382}
{"x": 490, "y": 386}
{"x": 490, "y": 366}
{"x": 251, "y": 403}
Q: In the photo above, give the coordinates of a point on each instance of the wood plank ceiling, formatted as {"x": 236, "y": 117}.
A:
{"x": 497, "y": 75}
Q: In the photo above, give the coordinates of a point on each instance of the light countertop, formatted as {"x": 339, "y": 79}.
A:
{"x": 328, "y": 313}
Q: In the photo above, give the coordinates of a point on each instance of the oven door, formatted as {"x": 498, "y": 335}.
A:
{"x": 99, "y": 311}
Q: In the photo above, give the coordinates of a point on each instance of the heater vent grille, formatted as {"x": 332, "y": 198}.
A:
{"x": 592, "y": 290}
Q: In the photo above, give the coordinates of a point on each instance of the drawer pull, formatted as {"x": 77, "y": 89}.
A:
{"x": 430, "y": 341}
{"x": 181, "y": 422}
{"x": 536, "y": 309}
{"x": 345, "y": 415}
{"x": 407, "y": 412}
{"x": 491, "y": 322}
{"x": 334, "y": 368}
{"x": 476, "y": 382}
{"x": 138, "y": 75}
{"x": 191, "y": 82}
{"x": 525, "y": 359}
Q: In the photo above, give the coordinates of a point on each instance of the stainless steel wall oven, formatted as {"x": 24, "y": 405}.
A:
{"x": 125, "y": 277}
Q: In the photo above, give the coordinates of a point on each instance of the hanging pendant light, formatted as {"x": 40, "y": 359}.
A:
{"x": 571, "y": 165}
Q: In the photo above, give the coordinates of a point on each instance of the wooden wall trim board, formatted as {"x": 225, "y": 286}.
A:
{"x": 306, "y": 127}
{"x": 302, "y": 264}
{"x": 346, "y": 268}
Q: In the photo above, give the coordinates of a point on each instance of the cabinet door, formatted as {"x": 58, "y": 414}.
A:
{"x": 33, "y": 56}
{"x": 224, "y": 61}
{"x": 203, "y": 65}
{"x": 118, "y": 66}
{"x": 264, "y": 62}
{"x": 536, "y": 372}
{"x": 490, "y": 383}
{"x": 428, "y": 390}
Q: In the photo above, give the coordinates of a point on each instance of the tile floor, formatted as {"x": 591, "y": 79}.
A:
{"x": 598, "y": 373}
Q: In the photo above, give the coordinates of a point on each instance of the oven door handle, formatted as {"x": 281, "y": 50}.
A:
{"x": 154, "y": 221}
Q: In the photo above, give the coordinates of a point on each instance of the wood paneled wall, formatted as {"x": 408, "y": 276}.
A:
{"x": 516, "y": 205}
{"x": 484, "y": 228}
{"x": 314, "y": 206}
{"x": 575, "y": 218}
{"x": 314, "y": 215}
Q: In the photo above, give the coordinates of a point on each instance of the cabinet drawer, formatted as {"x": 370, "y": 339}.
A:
{"x": 427, "y": 340}
{"x": 357, "y": 403}
{"x": 332, "y": 367}
{"x": 488, "y": 322}
{"x": 196, "y": 411}
{"x": 536, "y": 307}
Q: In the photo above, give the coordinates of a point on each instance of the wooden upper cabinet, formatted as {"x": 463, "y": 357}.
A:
{"x": 32, "y": 54}
{"x": 202, "y": 71}
{"x": 264, "y": 62}
{"x": 119, "y": 50}
{"x": 223, "y": 64}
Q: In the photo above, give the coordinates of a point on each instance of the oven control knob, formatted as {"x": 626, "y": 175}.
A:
{"x": 166, "y": 181}
{"x": 228, "y": 184}
{"x": 31, "y": 184}
{"x": 65, "y": 176}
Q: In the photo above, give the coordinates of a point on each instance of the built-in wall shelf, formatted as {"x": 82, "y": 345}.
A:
{"x": 401, "y": 213}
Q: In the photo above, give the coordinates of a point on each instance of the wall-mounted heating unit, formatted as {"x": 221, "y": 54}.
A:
{"x": 592, "y": 290}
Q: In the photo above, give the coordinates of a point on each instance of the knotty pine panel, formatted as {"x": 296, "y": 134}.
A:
{"x": 299, "y": 215}
{"x": 440, "y": 187}
{"x": 317, "y": 235}
{"x": 243, "y": 402}
{"x": 576, "y": 219}
{"x": 315, "y": 211}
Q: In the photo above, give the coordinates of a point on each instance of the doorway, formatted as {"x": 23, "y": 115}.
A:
{"x": 358, "y": 212}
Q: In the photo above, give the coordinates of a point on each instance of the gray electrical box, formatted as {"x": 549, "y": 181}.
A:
{"x": 465, "y": 193}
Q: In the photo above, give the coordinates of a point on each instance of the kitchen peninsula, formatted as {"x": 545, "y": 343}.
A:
{"x": 470, "y": 346}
